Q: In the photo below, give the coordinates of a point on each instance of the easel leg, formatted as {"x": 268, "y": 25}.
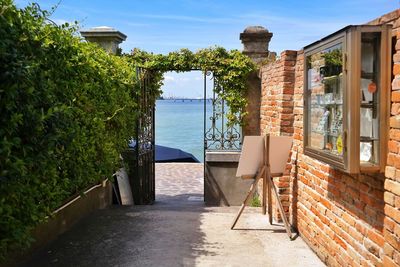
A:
{"x": 246, "y": 200}
{"x": 269, "y": 191}
{"x": 282, "y": 212}
{"x": 264, "y": 195}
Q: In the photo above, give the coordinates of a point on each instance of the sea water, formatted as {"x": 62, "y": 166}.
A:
{"x": 180, "y": 124}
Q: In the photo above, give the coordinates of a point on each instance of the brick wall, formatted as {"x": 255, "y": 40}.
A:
{"x": 346, "y": 220}
{"x": 276, "y": 111}
{"x": 391, "y": 227}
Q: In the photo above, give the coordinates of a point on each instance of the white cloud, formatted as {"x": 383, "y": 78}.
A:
{"x": 168, "y": 78}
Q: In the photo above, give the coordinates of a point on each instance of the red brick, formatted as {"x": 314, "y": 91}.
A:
{"x": 349, "y": 219}
{"x": 393, "y": 213}
{"x": 340, "y": 241}
{"x": 390, "y": 172}
{"x": 394, "y": 121}
{"x": 387, "y": 262}
{"x": 396, "y": 57}
{"x": 393, "y": 160}
{"x": 389, "y": 198}
{"x": 395, "y": 96}
{"x": 396, "y": 69}
{"x": 395, "y": 110}
{"x": 396, "y": 84}
{"x": 392, "y": 186}
{"x": 361, "y": 228}
{"x": 376, "y": 237}
{"x": 389, "y": 224}
{"x": 388, "y": 250}
{"x": 393, "y": 146}
{"x": 394, "y": 134}
{"x": 392, "y": 240}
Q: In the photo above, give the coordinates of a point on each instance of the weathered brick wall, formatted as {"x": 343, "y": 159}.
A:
{"x": 277, "y": 82}
{"x": 276, "y": 111}
{"x": 346, "y": 220}
{"x": 392, "y": 183}
{"x": 391, "y": 227}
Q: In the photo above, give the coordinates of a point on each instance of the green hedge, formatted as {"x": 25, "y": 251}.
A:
{"x": 67, "y": 109}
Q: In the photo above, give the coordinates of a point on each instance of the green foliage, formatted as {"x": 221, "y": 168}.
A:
{"x": 67, "y": 109}
{"x": 230, "y": 70}
{"x": 255, "y": 201}
{"x": 333, "y": 57}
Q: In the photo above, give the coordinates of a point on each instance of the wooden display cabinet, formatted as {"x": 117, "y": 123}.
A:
{"x": 346, "y": 98}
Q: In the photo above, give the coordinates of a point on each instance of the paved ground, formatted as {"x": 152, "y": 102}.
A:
{"x": 178, "y": 230}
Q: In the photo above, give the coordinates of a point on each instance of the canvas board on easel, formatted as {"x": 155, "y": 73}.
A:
{"x": 251, "y": 157}
{"x": 279, "y": 150}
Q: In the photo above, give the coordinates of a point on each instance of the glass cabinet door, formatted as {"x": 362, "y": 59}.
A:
{"x": 325, "y": 100}
{"x": 369, "y": 98}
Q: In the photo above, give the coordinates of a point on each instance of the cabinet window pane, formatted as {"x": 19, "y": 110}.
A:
{"x": 369, "y": 111}
{"x": 325, "y": 100}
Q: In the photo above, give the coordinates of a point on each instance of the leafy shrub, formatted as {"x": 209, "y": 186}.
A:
{"x": 67, "y": 109}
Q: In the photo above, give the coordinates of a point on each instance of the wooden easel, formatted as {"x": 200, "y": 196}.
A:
{"x": 268, "y": 188}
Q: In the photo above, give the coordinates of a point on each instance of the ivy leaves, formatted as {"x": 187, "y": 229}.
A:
{"x": 230, "y": 69}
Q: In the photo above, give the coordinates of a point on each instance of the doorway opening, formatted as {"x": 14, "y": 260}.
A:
{"x": 180, "y": 118}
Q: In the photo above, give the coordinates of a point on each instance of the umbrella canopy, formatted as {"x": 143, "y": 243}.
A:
{"x": 169, "y": 154}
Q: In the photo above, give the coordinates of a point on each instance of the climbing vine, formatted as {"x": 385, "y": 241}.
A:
{"x": 230, "y": 70}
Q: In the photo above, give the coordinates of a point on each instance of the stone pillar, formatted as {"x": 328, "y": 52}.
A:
{"x": 255, "y": 41}
{"x": 108, "y": 38}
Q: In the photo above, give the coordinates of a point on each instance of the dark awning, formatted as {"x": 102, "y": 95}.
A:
{"x": 169, "y": 154}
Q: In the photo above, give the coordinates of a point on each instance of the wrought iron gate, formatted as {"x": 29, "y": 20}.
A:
{"x": 218, "y": 135}
{"x": 141, "y": 155}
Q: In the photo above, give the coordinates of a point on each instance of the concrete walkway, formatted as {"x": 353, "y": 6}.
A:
{"x": 178, "y": 230}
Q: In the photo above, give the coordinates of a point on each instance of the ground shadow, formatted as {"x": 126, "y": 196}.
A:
{"x": 167, "y": 233}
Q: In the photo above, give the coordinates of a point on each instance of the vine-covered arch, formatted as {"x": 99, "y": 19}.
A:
{"x": 230, "y": 67}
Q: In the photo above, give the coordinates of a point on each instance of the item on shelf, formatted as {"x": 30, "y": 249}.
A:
{"x": 366, "y": 122}
{"x": 375, "y": 128}
{"x": 328, "y": 146}
{"x": 365, "y": 151}
{"x": 366, "y": 95}
{"x": 372, "y": 87}
{"x": 336, "y": 123}
{"x": 337, "y": 98}
{"x": 320, "y": 99}
{"x": 322, "y": 122}
{"x": 367, "y": 60}
{"x": 328, "y": 98}
{"x": 315, "y": 78}
{"x": 339, "y": 145}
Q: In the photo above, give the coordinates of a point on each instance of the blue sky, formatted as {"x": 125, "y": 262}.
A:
{"x": 162, "y": 26}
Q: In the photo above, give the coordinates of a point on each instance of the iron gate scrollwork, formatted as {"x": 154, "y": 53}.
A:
{"x": 141, "y": 155}
{"x": 218, "y": 134}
